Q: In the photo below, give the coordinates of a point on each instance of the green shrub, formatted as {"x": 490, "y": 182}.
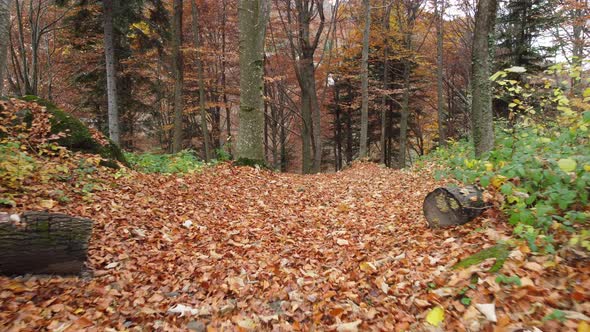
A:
{"x": 540, "y": 166}
{"x": 183, "y": 162}
{"x": 15, "y": 165}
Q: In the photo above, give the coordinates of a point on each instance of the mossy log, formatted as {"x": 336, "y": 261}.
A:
{"x": 77, "y": 135}
{"x": 453, "y": 206}
{"x": 44, "y": 243}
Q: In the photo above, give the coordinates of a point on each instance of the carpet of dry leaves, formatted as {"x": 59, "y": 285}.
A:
{"x": 243, "y": 249}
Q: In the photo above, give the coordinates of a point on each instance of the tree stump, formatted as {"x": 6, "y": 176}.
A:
{"x": 453, "y": 206}
{"x": 44, "y": 243}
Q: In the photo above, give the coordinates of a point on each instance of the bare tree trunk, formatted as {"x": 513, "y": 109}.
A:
{"x": 403, "y": 126}
{"x": 4, "y": 39}
{"x": 203, "y": 111}
{"x": 365, "y": 81}
{"x": 223, "y": 78}
{"x": 481, "y": 107}
{"x": 109, "y": 51}
{"x": 178, "y": 75}
{"x": 442, "y": 137}
{"x": 386, "y": 25}
{"x": 253, "y": 18}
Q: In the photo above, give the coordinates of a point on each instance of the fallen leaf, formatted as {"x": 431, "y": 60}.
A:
{"x": 488, "y": 310}
{"x": 435, "y": 316}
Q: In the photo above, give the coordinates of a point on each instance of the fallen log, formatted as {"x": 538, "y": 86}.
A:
{"x": 43, "y": 243}
{"x": 447, "y": 206}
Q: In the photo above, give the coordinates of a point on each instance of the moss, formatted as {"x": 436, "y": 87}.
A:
{"x": 500, "y": 252}
{"x": 78, "y": 137}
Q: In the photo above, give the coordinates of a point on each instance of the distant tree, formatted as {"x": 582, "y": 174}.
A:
{"x": 365, "y": 80}
{"x": 4, "y": 38}
{"x": 520, "y": 25}
{"x": 109, "y": 51}
{"x": 297, "y": 22}
{"x": 253, "y": 17}
{"x": 201, "y": 74}
{"x": 177, "y": 68}
{"x": 481, "y": 106}
{"x": 439, "y": 7}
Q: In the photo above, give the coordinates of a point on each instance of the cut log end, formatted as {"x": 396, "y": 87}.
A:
{"x": 44, "y": 243}
{"x": 448, "y": 206}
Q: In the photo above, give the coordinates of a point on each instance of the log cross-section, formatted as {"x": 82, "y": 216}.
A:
{"x": 44, "y": 243}
{"x": 453, "y": 206}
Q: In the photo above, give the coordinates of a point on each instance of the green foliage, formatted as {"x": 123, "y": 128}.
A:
{"x": 500, "y": 252}
{"x": 555, "y": 315}
{"x": 15, "y": 165}
{"x": 508, "y": 280}
{"x": 183, "y": 162}
{"x": 541, "y": 166}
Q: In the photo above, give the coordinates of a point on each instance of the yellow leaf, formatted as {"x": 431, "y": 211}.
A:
{"x": 47, "y": 203}
{"x": 498, "y": 180}
{"x": 567, "y": 165}
{"x": 583, "y": 327}
{"x": 436, "y": 316}
{"x": 367, "y": 267}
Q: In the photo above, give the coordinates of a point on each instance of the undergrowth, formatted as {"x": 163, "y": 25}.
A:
{"x": 540, "y": 167}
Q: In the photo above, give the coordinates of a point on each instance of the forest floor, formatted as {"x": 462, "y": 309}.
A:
{"x": 233, "y": 248}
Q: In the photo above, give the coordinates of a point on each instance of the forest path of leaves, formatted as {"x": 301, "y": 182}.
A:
{"x": 263, "y": 251}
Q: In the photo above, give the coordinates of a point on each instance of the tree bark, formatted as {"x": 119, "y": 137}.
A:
{"x": 253, "y": 18}
{"x": 481, "y": 105}
{"x": 178, "y": 75}
{"x": 405, "y": 114}
{"x": 386, "y": 27}
{"x": 363, "y": 150}
{"x": 442, "y": 137}
{"x": 452, "y": 206}
{"x": 4, "y": 39}
{"x": 109, "y": 51}
{"x": 46, "y": 243}
{"x": 201, "y": 74}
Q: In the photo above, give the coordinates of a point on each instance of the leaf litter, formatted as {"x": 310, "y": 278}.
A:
{"x": 235, "y": 248}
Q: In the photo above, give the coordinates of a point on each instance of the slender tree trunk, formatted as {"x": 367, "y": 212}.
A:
{"x": 403, "y": 126}
{"x": 306, "y": 124}
{"x": 253, "y": 18}
{"x": 578, "y": 46}
{"x": 109, "y": 51}
{"x": 4, "y": 39}
{"x": 178, "y": 75}
{"x": 203, "y": 111}
{"x": 481, "y": 107}
{"x": 223, "y": 78}
{"x": 365, "y": 82}
{"x": 386, "y": 25}
{"x": 338, "y": 129}
{"x": 442, "y": 137}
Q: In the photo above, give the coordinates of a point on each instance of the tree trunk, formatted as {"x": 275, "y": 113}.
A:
{"x": 177, "y": 67}
{"x": 365, "y": 81}
{"x": 44, "y": 243}
{"x": 109, "y": 51}
{"x": 4, "y": 39}
{"x": 403, "y": 126}
{"x": 386, "y": 26}
{"x": 442, "y": 137}
{"x": 253, "y": 17}
{"x": 203, "y": 111}
{"x": 452, "y": 206}
{"x": 306, "y": 119}
{"x": 481, "y": 106}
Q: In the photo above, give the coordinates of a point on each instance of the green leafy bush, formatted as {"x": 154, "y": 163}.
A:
{"x": 540, "y": 166}
{"x": 15, "y": 165}
{"x": 183, "y": 162}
